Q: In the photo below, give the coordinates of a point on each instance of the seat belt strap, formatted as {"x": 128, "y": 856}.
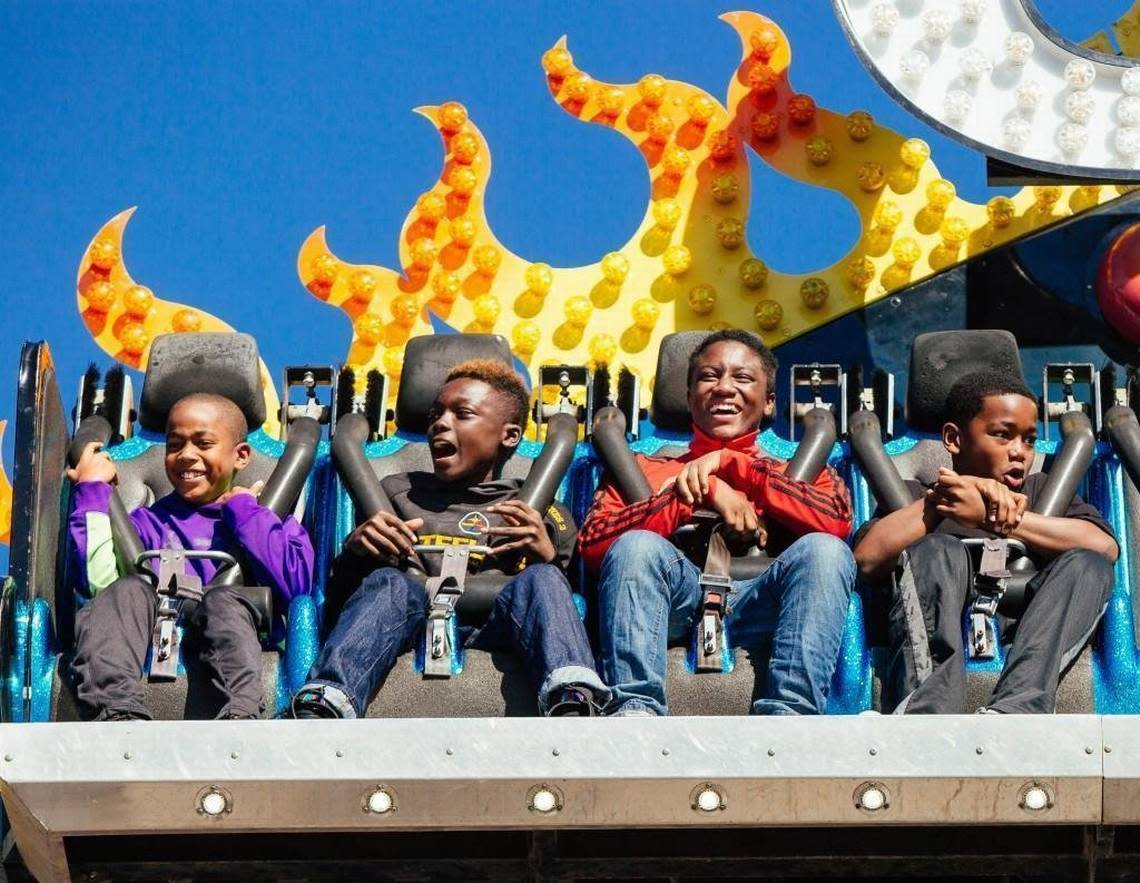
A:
{"x": 175, "y": 587}
{"x": 444, "y": 592}
{"x": 716, "y": 586}
{"x": 989, "y": 586}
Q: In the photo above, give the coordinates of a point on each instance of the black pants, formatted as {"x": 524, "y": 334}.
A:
{"x": 112, "y": 637}
{"x": 1066, "y": 600}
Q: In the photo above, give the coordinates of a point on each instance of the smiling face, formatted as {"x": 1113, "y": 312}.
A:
{"x": 728, "y": 391}
{"x": 470, "y": 430}
{"x": 203, "y": 451}
{"x": 997, "y": 442}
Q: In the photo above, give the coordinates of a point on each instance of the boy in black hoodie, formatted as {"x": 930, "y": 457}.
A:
{"x": 474, "y": 426}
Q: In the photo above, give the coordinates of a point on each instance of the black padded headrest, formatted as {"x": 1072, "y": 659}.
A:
{"x": 427, "y": 361}
{"x": 940, "y": 359}
{"x": 670, "y": 406}
{"x": 223, "y": 363}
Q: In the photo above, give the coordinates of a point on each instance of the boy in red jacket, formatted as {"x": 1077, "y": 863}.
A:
{"x": 649, "y": 592}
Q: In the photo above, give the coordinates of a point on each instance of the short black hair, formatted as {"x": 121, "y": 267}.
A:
{"x": 228, "y": 414}
{"x": 500, "y": 377}
{"x": 748, "y": 339}
{"x": 966, "y": 396}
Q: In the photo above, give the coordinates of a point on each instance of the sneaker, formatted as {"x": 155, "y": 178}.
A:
{"x": 632, "y": 709}
{"x": 310, "y": 704}
{"x": 573, "y": 702}
{"x": 239, "y": 716}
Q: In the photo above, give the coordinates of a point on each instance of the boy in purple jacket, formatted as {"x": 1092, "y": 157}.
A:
{"x": 205, "y": 448}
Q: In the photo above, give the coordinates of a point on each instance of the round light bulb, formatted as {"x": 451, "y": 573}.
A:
{"x": 1128, "y": 110}
{"x": 974, "y": 63}
{"x": 1028, "y": 95}
{"x": 543, "y": 800}
{"x": 1080, "y": 73}
{"x": 1130, "y": 81}
{"x": 936, "y": 24}
{"x": 1015, "y": 132}
{"x": 914, "y": 153}
{"x": 814, "y": 292}
{"x": 884, "y": 18}
{"x": 973, "y": 10}
{"x": 1036, "y": 799}
{"x": 526, "y": 337}
{"x": 379, "y": 802}
{"x": 888, "y": 215}
{"x": 667, "y": 212}
{"x": 1001, "y": 211}
{"x": 753, "y": 273}
{"x": 213, "y": 803}
{"x": 1018, "y": 47}
{"x": 860, "y": 124}
{"x": 769, "y": 315}
{"x": 708, "y": 800}
{"x": 539, "y": 278}
{"x": 914, "y": 65}
{"x": 1072, "y": 137}
{"x": 957, "y": 105}
{"x": 1127, "y": 141}
{"x": 1079, "y": 106}
{"x": 872, "y": 799}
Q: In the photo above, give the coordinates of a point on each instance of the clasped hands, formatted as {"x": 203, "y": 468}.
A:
{"x": 390, "y": 538}
{"x": 742, "y": 527}
{"x": 976, "y": 502}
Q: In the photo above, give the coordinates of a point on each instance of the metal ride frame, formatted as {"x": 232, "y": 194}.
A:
{"x": 69, "y": 787}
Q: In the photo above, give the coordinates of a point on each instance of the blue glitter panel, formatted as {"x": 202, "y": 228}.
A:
{"x": 301, "y": 645}
{"x": 42, "y": 657}
{"x": 1116, "y": 673}
{"x": 17, "y": 671}
{"x": 851, "y": 685}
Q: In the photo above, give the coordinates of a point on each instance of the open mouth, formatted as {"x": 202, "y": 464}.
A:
{"x": 189, "y": 475}
{"x": 441, "y": 450}
{"x": 1015, "y": 478}
{"x": 726, "y": 410}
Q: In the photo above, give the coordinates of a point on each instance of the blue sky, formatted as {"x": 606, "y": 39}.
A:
{"x": 237, "y": 128}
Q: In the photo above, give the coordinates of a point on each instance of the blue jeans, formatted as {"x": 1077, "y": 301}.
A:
{"x": 534, "y": 615}
{"x": 649, "y": 594}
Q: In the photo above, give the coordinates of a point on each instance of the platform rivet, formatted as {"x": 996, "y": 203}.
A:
{"x": 8, "y": 758}
{"x": 1108, "y": 749}
{"x": 126, "y": 755}
{"x": 771, "y": 752}
{"x": 339, "y": 753}
{"x": 979, "y": 750}
{"x": 664, "y": 752}
{"x": 233, "y": 755}
{"x": 555, "y": 752}
{"x": 1088, "y": 749}
{"x": 449, "y": 752}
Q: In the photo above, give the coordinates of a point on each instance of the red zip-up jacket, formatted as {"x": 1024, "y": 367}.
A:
{"x": 799, "y": 507}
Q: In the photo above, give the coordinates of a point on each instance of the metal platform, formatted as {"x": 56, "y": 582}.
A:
{"x": 64, "y": 784}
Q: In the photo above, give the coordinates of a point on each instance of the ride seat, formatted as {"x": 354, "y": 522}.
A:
{"x": 733, "y": 692}
{"x": 182, "y": 364}
{"x": 939, "y": 360}
{"x": 491, "y": 684}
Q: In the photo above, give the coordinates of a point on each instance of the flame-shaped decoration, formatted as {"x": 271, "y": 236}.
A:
{"x": 5, "y": 496}
{"x": 124, "y": 317}
{"x": 688, "y": 265}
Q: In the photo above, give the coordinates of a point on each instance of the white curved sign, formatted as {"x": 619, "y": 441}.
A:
{"x": 993, "y": 75}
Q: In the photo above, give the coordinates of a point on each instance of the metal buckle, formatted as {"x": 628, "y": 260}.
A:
{"x": 989, "y": 586}
{"x": 444, "y": 592}
{"x": 710, "y": 638}
{"x": 175, "y": 586}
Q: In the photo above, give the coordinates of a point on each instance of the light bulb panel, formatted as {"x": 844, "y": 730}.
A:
{"x": 1017, "y": 67}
